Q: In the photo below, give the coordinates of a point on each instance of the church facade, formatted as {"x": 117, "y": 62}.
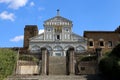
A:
{"x": 57, "y": 37}
{"x": 59, "y": 50}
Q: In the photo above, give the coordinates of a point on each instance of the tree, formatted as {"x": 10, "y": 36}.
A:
{"x": 106, "y": 65}
{"x": 7, "y": 62}
{"x": 110, "y": 64}
{"x": 116, "y": 51}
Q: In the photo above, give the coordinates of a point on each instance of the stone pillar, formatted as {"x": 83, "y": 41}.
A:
{"x": 44, "y": 61}
{"x": 71, "y": 61}
{"x": 99, "y": 55}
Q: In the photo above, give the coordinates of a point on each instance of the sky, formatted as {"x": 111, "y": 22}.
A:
{"x": 86, "y": 15}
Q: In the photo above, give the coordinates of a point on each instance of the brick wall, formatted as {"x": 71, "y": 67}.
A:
{"x": 105, "y": 36}
{"x": 87, "y": 67}
{"x": 29, "y": 31}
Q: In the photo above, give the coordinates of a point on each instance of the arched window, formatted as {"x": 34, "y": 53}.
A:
{"x": 35, "y": 49}
{"x": 101, "y": 43}
{"x": 91, "y": 43}
{"x": 57, "y": 51}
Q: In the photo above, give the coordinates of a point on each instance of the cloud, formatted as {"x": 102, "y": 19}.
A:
{"x": 21, "y": 37}
{"x": 17, "y": 38}
{"x": 32, "y": 4}
{"x": 14, "y": 4}
{"x": 5, "y": 1}
{"x": 7, "y": 16}
{"x": 41, "y": 31}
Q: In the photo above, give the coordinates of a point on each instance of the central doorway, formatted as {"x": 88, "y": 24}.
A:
{"x": 57, "y": 62}
{"x": 58, "y": 54}
{"x": 58, "y": 51}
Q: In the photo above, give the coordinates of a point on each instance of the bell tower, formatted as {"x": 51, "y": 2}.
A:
{"x": 29, "y": 31}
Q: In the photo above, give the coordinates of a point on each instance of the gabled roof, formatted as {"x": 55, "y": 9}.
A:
{"x": 58, "y": 19}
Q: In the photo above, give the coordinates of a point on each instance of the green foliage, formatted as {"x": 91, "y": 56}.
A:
{"x": 107, "y": 53}
{"x": 28, "y": 58}
{"x": 88, "y": 58}
{"x": 110, "y": 64}
{"x": 7, "y": 62}
{"x": 116, "y": 51}
{"x": 106, "y": 65}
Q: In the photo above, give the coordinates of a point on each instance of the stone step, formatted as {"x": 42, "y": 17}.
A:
{"x": 57, "y": 65}
{"x": 55, "y": 77}
{"x": 47, "y": 78}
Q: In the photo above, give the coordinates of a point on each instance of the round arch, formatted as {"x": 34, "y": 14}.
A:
{"x": 58, "y": 51}
{"x": 57, "y": 48}
{"x": 35, "y": 49}
{"x": 67, "y": 47}
{"x": 49, "y": 48}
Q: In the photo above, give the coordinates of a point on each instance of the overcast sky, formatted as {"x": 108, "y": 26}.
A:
{"x": 86, "y": 15}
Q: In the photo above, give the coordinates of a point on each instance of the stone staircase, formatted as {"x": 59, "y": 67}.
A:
{"x": 47, "y": 78}
{"x": 61, "y": 77}
{"x": 57, "y": 65}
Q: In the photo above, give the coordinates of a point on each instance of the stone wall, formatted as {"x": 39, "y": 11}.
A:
{"x": 27, "y": 68}
{"x": 87, "y": 67}
{"x": 105, "y": 36}
{"x": 58, "y": 65}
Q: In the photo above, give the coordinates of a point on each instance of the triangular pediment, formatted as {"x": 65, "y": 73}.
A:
{"x": 58, "y": 20}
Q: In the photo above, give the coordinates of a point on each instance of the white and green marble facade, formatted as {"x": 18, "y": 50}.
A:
{"x": 57, "y": 37}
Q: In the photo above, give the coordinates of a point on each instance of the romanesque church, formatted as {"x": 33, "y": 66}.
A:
{"x": 57, "y": 37}
{"x": 62, "y": 52}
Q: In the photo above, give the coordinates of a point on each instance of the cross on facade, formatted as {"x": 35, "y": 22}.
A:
{"x": 58, "y": 12}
